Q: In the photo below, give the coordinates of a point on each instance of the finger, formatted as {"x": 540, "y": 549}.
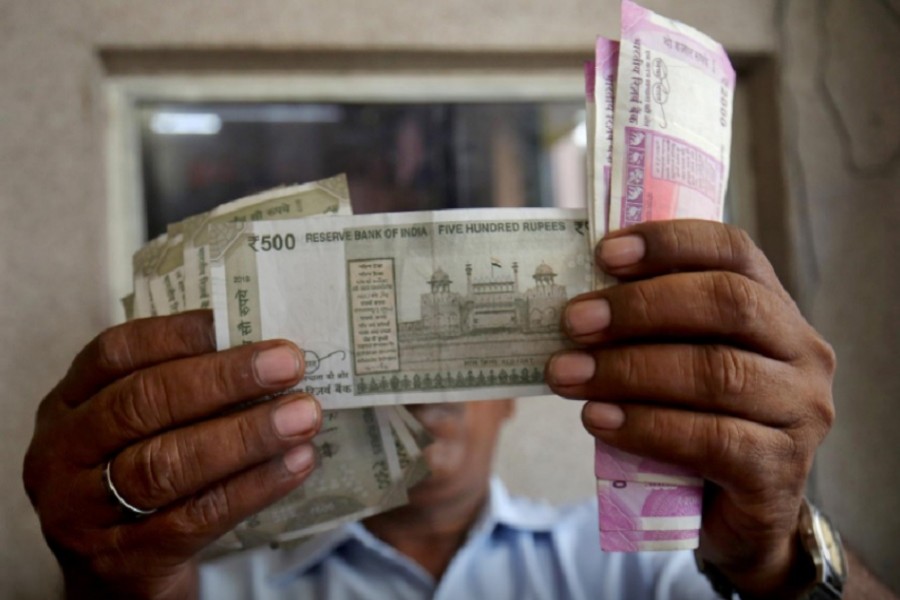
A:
{"x": 738, "y": 455}
{"x": 185, "y": 528}
{"x": 707, "y": 378}
{"x": 712, "y": 305}
{"x": 164, "y": 469}
{"x": 134, "y": 345}
{"x": 157, "y": 472}
{"x": 660, "y": 247}
{"x": 176, "y": 393}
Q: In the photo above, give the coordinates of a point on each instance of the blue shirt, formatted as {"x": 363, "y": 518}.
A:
{"x": 518, "y": 550}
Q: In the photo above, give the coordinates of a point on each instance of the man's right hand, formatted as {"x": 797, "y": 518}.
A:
{"x": 154, "y": 399}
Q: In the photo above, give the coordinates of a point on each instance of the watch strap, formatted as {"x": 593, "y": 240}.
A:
{"x": 828, "y": 586}
{"x": 830, "y": 589}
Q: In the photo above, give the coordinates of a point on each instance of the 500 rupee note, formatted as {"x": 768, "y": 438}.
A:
{"x": 414, "y": 307}
{"x": 327, "y": 196}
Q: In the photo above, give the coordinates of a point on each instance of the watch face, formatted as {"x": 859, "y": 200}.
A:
{"x": 831, "y": 545}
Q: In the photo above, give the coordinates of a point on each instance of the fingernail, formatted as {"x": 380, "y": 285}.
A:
{"x": 572, "y": 368}
{"x": 622, "y": 251}
{"x": 588, "y": 316}
{"x": 604, "y": 416}
{"x": 299, "y": 459}
{"x": 278, "y": 365}
{"x": 296, "y": 417}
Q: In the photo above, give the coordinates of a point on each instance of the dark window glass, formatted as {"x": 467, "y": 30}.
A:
{"x": 397, "y": 157}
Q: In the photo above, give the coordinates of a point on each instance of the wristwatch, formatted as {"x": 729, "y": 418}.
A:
{"x": 822, "y": 541}
{"x": 822, "y": 544}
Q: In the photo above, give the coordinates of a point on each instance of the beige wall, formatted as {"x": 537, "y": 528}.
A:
{"x": 842, "y": 92}
{"x": 54, "y": 56}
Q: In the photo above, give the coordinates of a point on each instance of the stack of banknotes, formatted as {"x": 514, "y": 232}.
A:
{"x": 659, "y": 106}
{"x": 366, "y": 457}
{"x": 389, "y": 309}
{"x": 455, "y": 305}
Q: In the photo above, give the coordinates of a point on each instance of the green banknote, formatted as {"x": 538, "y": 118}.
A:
{"x": 327, "y": 196}
{"x": 405, "y": 308}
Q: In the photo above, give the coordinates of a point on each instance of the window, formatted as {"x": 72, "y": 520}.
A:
{"x": 180, "y": 145}
{"x": 397, "y": 156}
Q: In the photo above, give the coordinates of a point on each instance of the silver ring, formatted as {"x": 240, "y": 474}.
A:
{"x": 129, "y": 509}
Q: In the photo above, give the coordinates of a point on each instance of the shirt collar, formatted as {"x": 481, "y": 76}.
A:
{"x": 516, "y": 512}
{"x": 502, "y": 509}
{"x": 296, "y": 560}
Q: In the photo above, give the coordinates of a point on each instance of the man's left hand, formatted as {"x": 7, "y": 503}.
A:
{"x": 700, "y": 358}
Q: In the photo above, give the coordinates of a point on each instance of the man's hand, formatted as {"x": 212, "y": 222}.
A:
{"x": 700, "y": 358}
{"x": 154, "y": 399}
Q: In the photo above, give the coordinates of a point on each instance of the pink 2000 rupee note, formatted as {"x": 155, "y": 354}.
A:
{"x": 616, "y": 465}
{"x": 642, "y": 541}
{"x": 670, "y": 159}
{"x": 672, "y": 133}
{"x": 635, "y": 506}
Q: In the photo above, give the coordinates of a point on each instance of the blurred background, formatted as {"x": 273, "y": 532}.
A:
{"x": 119, "y": 118}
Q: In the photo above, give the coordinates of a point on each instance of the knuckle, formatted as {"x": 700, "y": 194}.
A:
{"x": 135, "y": 407}
{"x": 624, "y": 366}
{"x": 672, "y": 236}
{"x": 825, "y": 354}
{"x": 737, "y": 300}
{"x": 208, "y": 511}
{"x": 824, "y": 413}
{"x": 738, "y": 244}
{"x": 181, "y": 528}
{"x": 124, "y": 414}
{"x": 724, "y": 374}
{"x": 129, "y": 409}
{"x": 248, "y": 437}
{"x": 682, "y": 238}
{"x": 156, "y": 468}
{"x": 640, "y": 306}
{"x": 113, "y": 350}
{"x": 221, "y": 380}
{"x": 660, "y": 424}
{"x": 719, "y": 441}
{"x": 820, "y": 409}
